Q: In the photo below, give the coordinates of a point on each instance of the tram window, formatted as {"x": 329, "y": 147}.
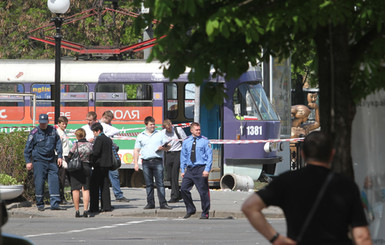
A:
{"x": 11, "y": 106}
{"x": 251, "y": 103}
{"x": 123, "y": 92}
{"x": 11, "y": 88}
{"x": 128, "y": 102}
{"x": 74, "y": 88}
{"x": 74, "y": 101}
{"x": 172, "y": 100}
{"x": 11, "y": 100}
{"x": 264, "y": 106}
{"x": 74, "y": 95}
{"x": 189, "y": 100}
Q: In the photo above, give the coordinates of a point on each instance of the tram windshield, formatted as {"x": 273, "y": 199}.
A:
{"x": 251, "y": 103}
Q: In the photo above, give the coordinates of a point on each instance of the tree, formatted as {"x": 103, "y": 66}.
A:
{"x": 18, "y": 18}
{"x": 226, "y": 35}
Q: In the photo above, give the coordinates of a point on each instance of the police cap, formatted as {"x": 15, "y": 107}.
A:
{"x": 43, "y": 118}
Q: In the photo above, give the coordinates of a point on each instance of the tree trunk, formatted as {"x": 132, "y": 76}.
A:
{"x": 337, "y": 108}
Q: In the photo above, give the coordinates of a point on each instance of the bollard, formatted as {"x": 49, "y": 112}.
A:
{"x": 236, "y": 182}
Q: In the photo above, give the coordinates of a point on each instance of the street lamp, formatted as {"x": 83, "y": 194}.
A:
{"x": 58, "y": 7}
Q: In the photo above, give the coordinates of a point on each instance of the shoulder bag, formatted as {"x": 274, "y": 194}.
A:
{"x": 116, "y": 163}
{"x": 75, "y": 163}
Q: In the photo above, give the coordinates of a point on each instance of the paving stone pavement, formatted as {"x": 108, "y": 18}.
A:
{"x": 224, "y": 204}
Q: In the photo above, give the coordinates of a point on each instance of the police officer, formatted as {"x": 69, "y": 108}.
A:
{"x": 39, "y": 154}
{"x": 196, "y": 160}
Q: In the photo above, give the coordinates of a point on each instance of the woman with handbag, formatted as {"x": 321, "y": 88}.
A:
{"x": 80, "y": 179}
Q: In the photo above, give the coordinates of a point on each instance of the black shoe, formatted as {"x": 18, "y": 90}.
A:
{"x": 58, "y": 208}
{"x": 77, "y": 214}
{"x": 173, "y": 201}
{"x": 64, "y": 202}
{"x": 106, "y": 210}
{"x": 123, "y": 199}
{"x": 148, "y": 206}
{"x": 85, "y": 214}
{"x": 188, "y": 215}
{"x": 204, "y": 216}
{"x": 165, "y": 207}
{"x": 41, "y": 209}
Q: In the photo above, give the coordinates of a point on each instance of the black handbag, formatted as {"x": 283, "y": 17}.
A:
{"x": 75, "y": 163}
{"x": 116, "y": 163}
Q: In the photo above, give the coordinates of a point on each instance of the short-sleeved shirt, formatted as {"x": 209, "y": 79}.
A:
{"x": 149, "y": 144}
{"x": 295, "y": 192}
{"x": 176, "y": 144}
{"x": 204, "y": 153}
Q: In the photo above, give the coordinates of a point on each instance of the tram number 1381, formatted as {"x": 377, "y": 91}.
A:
{"x": 254, "y": 130}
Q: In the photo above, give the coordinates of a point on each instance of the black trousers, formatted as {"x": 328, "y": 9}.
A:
{"x": 193, "y": 176}
{"x": 100, "y": 182}
{"x": 63, "y": 175}
{"x": 172, "y": 171}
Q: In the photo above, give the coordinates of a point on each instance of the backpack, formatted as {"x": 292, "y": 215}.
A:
{"x": 116, "y": 163}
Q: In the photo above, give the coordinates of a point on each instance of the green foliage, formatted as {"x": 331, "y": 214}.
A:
{"x": 213, "y": 94}
{"x": 131, "y": 91}
{"x": 18, "y": 18}
{"x": 227, "y": 35}
{"x": 5, "y": 179}
{"x": 12, "y": 161}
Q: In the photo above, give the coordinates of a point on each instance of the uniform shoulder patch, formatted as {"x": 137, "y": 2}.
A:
{"x": 34, "y": 131}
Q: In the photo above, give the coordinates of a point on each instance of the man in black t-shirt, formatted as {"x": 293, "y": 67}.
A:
{"x": 339, "y": 208}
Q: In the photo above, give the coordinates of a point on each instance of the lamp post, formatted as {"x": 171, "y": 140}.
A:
{"x": 58, "y": 7}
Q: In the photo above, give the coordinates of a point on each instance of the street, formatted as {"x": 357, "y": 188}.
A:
{"x": 121, "y": 230}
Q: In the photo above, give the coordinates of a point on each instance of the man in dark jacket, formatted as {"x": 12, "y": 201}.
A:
{"x": 102, "y": 162}
{"x": 39, "y": 154}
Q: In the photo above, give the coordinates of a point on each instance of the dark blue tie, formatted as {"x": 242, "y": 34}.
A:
{"x": 193, "y": 156}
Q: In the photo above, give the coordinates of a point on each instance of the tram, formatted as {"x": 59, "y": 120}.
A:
{"x": 133, "y": 90}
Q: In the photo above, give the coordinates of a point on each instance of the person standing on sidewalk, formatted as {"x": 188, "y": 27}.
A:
{"x": 91, "y": 118}
{"x": 113, "y": 174}
{"x": 39, "y": 154}
{"x": 80, "y": 179}
{"x": 63, "y": 174}
{"x": 109, "y": 131}
{"x": 196, "y": 160}
{"x": 102, "y": 162}
{"x": 174, "y": 135}
{"x": 320, "y": 206}
{"x": 150, "y": 144}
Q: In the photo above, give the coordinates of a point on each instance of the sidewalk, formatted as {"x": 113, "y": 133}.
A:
{"x": 224, "y": 204}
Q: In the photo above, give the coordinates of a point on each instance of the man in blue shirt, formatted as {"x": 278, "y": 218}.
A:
{"x": 150, "y": 144}
{"x": 195, "y": 163}
{"x": 39, "y": 154}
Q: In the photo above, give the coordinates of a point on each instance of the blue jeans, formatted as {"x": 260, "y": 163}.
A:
{"x": 42, "y": 171}
{"x": 115, "y": 182}
{"x": 154, "y": 168}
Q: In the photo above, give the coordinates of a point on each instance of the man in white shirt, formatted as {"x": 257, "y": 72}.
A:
{"x": 60, "y": 128}
{"x": 175, "y": 135}
{"x": 91, "y": 118}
